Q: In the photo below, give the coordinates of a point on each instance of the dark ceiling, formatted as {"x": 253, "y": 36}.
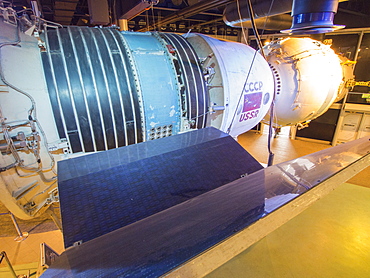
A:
{"x": 178, "y": 15}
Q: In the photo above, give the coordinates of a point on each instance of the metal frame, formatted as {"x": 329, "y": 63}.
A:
{"x": 213, "y": 258}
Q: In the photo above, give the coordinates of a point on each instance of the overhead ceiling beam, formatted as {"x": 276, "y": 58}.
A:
{"x": 205, "y": 23}
{"x": 64, "y": 11}
{"x": 189, "y": 11}
{"x": 176, "y": 10}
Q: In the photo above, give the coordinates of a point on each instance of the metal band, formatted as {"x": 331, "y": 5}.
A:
{"x": 192, "y": 77}
{"x": 94, "y": 101}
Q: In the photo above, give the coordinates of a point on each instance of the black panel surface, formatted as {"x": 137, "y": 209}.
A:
{"x": 78, "y": 94}
{"x": 53, "y": 95}
{"x": 162, "y": 242}
{"x": 321, "y": 128}
{"x": 91, "y": 88}
{"x": 87, "y": 81}
{"x": 105, "y": 191}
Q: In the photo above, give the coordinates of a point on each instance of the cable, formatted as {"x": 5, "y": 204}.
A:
{"x": 52, "y": 164}
{"x": 268, "y": 14}
{"x": 153, "y": 18}
{"x": 31, "y": 118}
{"x": 241, "y": 94}
{"x": 271, "y": 154}
{"x": 272, "y": 108}
{"x": 254, "y": 28}
{"x": 252, "y": 63}
{"x": 19, "y": 162}
{"x": 51, "y": 22}
{"x": 258, "y": 39}
{"x": 241, "y": 22}
{"x": 260, "y": 46}
{"x": 24, "y": 10}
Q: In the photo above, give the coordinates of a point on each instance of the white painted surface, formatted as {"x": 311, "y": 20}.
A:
{"x": 308, "y": 75}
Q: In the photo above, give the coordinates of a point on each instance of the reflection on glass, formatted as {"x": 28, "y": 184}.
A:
{"x": 287, "y": 180}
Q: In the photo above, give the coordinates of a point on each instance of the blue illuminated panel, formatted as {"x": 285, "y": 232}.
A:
{"x": 162, "y": 242}
{"x": 102, "y": 192}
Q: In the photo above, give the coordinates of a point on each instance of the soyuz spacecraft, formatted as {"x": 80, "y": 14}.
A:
{"x": 68, "y": 91}
{"x": 98, "y": 101}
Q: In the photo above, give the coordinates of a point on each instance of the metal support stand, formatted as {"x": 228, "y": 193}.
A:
{"x": 21, "y": 236}
{"x": 343, "y": 107}
{"x": 293, "y": 132}
{"x": 123, "y": 24}
{"x": 2, "y": 256}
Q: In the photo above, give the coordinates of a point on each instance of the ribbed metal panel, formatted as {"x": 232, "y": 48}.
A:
{"x": 110, "y": 89}
{"x": 196, "y": 96}
{"x": 92, "y": 89}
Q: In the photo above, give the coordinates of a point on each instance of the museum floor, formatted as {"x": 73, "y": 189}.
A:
{"x": 329, "y": 239}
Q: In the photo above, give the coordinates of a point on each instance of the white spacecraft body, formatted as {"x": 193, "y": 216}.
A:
{"x": 307, "y": 78}
{"x": 244, "y": 90}
{"x": 73, "y": 91}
